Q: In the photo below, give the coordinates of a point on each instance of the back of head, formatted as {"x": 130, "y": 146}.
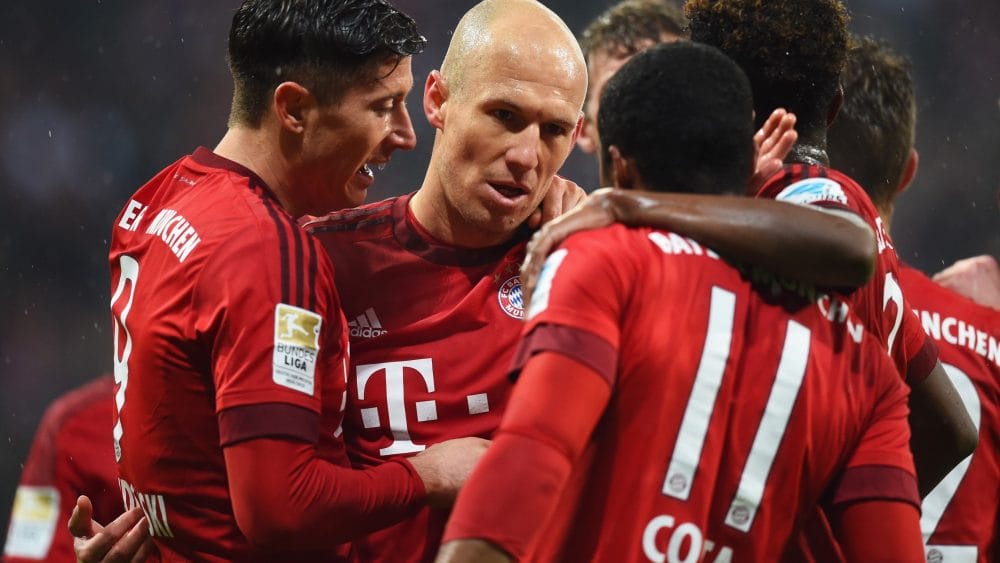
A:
{"x": 682, "y": 112}
{"x": 792, "y": 50}
{"x": 875, "y": 129}
{"x": 631, "y": 26}
{"x": 325, "y": 45}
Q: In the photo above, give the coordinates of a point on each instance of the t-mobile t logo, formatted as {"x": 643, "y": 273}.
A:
{"x": 395, "y": 402}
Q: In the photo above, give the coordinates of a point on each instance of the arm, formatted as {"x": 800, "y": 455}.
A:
{"x": 942, "y": 432}
{"x": 879, "y": 530}
{"x": 283, "y": 493}
{"x": 514, "y": 492}
{"x": 794, "y": 241}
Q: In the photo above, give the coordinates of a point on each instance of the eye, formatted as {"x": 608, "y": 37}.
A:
{"x": 555, "y": 129}
{"x": 503, "y": 115}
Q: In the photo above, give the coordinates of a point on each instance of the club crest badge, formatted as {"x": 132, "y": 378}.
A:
{"x": 511, "y": 298}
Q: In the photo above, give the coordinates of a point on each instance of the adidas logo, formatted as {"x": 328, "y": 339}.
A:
{"x": 366, "y": 325}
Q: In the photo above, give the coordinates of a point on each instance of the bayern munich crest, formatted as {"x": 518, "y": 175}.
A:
{"x": 511, "y": 298}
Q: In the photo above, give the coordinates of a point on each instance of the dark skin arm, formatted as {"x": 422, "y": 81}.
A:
{"x": 942, "y": 432}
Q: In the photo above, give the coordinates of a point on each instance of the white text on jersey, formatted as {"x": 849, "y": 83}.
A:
{"x": 960, "y": 333}
{"x": 152, "y": 505}
{"x": 175, "y": 231}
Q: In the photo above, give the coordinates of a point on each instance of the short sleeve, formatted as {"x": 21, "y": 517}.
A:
{"x": 881, "y": 466}
{"x": 579, "y": 299}
{"x": 267, "y": 309}
{"x": 920, "y": 352}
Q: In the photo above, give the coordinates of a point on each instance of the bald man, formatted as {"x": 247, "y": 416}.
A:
{"x": 430, "y": 280}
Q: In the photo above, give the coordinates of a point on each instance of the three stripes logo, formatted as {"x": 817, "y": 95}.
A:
{"x": 366, "y": 325}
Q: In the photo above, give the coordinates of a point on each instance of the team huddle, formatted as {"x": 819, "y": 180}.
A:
{"x": 718, "y": 358}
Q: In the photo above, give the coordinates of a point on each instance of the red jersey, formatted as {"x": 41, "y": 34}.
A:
{"x": 729, "y": 416}
{"x": 432, "y": 331}
{"x": 227, "y": 328}
{"x": 960, "y": 517}
{"x": 879, "y": 303}
{"x": 70, "y": 456}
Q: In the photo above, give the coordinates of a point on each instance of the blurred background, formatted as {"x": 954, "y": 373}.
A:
{"x": 99, "y": 95}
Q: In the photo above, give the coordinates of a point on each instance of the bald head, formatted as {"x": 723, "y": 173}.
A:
{"x": 511, "y": 32}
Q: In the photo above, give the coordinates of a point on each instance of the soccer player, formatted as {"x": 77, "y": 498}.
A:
{"x": 716, "y": 415}
{"x": 71, "y": 455}
{"x": 230, "y": 346}
{"x": 873, "y": 141}
{"x": 612, "y": 39}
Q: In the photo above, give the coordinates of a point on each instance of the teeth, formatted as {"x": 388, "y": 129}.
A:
{"x": 367, "y": 171}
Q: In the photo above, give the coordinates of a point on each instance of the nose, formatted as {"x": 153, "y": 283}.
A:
{"x": 522, "y": 154}
{"x": 403, "y": 136}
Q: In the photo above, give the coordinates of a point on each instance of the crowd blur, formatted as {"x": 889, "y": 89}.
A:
{"x": 97, "y": 96}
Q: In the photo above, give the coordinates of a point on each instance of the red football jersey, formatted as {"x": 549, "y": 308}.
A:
{"x": 432, "y": 330}
{"x": 960, "y": 517}
{"x": 879, "y": 303}
{"x": 227, "y": 328}
{"x": 730, "y": 416}
{"x": 70, "y": 456}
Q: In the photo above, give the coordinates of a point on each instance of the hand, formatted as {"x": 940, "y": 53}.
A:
{"x": 126, "y": 539}
{"x": 977, "y": 278}
{"x": 771, "y": 145}
{"x": 595, "y": 212}
{"x": 444, "y": 467}
{"x": 562, "y": 196}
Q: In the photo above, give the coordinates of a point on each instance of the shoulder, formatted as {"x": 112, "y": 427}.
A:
{"x": 97, "y": 393}
{"x": 365, "y": 218}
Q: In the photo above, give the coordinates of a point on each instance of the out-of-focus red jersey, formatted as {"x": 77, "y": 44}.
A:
{"x": 227, "y": 328}
{"x": 880, "y": 303}
{"x": 960, "y": 517}
{"x": 70, "y": 456}
{"x": 432, "y": 331}
{"x": 730, "y": 415}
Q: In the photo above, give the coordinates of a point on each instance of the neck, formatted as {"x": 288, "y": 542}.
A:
{"x": 247, "y": 147}
{"x": 810, "y": 148}
{"x": 439, "y": 217}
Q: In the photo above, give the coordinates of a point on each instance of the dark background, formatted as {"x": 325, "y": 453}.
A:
{"x": 97, "y": 96}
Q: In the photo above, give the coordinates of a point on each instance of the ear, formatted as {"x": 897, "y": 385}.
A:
{"x": 291, "y": 104}
{"x": 587, "y": 139}
{"x": 909, "y": 171}
{"x": 623, "y": 172}
{"x": 435, "y": 97}
{"x": 835, "y": 103}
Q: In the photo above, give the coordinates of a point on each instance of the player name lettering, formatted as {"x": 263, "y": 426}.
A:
{"x": 960, "y": 333}
{"x": 174, "y": 230}
{"x": 152, "y": 505}
{"x": 684, "y": 543}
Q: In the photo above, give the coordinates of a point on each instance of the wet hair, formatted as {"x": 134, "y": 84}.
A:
{"x": 682, "y": 112}
{"x": 630, "y": 26}
{"x": 872, "y": 136}
{"x": 791, "y": 50}
{"x": 325, "y": 45}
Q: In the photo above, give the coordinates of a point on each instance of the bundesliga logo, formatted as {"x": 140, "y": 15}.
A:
{"x": 510, "y": 297}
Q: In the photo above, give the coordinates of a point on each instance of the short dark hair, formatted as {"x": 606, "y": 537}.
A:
{"x": 792, "y": 50}
{"x": 872, "y": 136}
{"x": 326, "y": 45}
{"x": 623, "y": 29}
{"x": 682, "y": 112}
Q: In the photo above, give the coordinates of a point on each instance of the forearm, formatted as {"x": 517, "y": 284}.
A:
{"x": 790, "y": 240}
{"x": 283, "y": 492}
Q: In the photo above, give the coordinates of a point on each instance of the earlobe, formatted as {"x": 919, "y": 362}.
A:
{"x": 291, "y": 101}
{"x": 435, "y": 96}
{"x": 622, "y": 172}
{"x": 909, "y": 171}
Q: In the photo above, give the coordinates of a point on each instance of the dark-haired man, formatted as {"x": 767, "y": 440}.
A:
{"x": 230, "y": 346}
{"x": 709, "y": 405}
{"x": 873, "y": 140}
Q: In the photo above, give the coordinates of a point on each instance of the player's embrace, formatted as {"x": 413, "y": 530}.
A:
{"x": 668, "y": 407}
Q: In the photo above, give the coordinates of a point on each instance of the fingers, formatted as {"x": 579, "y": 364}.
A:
{"x": 103, "y": 545}
{"x": 81, "y": 523}
{"x": 145, "y": 550}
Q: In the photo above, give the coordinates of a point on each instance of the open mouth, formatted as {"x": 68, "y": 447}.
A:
{"x": 508, "y": 191}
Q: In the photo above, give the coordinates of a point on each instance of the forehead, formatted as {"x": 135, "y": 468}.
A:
{"x": 389, "y": 78}
{"x": 549, "y": 79}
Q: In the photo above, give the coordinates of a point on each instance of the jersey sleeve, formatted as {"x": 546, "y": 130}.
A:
{"x": 578, "y": 302}
{"x": 269, "y": 346}
{"x": 881, "y": 465}
{"x": 919, "y": 350}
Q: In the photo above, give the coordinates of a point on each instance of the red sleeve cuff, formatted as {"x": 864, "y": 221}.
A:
{"x": 268, "y": 420}
{"x": 922, "y": 363}
{"x": 876, "y": 482}
{"x": 583, "y": 346}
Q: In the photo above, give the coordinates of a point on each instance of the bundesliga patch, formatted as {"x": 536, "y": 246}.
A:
{"x": 811, "y": 190}
{"x": 33, "y": 522}
{"x": 511, "y": 298}
{"x": 296, "y": 345}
